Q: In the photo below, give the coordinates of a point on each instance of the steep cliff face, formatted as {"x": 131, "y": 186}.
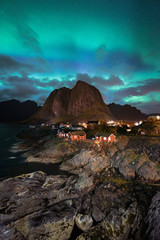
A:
{"x": 83, "y": 102}
{"x": 55, "y": 106}
{"x": 83, "y": 98}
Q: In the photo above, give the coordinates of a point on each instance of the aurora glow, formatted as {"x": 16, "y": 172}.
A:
{"x": 111, "y": 44}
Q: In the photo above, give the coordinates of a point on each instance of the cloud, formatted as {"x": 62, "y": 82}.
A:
{"x": 8, "y": 65}
{"x": 149, "y": 85}
{"x": 149, "y": 107}
{"x": 26, "y": 66}
{"x": 120, "y": 62}
{"x": 21, "y": 88}
{"x": 100, "y": 81}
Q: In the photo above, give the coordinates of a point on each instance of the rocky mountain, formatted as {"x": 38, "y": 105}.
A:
{"x": 14, "y": 111}
{"x": 126, "y": 112}
{"x": 81, "y": 103}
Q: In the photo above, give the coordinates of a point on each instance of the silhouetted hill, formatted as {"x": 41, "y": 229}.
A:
{"x": 81, "y": 103}
{"x": 15, "y": 111}
{"x": 126, "y": 112}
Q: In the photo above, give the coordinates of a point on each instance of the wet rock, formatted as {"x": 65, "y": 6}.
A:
{"x": 84, "y": 222}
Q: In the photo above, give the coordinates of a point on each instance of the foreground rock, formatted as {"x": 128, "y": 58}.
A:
{"x": 36, "y": 206}
{"x": 27, "y": 211}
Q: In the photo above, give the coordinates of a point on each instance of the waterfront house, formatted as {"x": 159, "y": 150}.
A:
{"x": 77, "y": 135}
{"x": 105, "y": 137}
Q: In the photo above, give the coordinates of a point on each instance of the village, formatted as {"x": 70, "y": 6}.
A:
{"x": 100, "y": 131}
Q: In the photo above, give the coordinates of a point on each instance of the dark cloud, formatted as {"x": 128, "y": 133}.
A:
{"x": 8, "y": 65}
{"x": 149, "y": 85}
{"x": 21, "y": 88}
{"x": 100, "y": 81}
{"x": 149, "y": 107}
{"x": 120, "y": 62}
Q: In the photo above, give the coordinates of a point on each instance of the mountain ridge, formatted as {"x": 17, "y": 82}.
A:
{"x": 15, "y": 111}
{"x": 83, "y": 102}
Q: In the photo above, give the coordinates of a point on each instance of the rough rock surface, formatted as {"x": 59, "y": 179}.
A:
{"x": 106, "y": 197}
{"x": 86, "y": 160}
{"x": 131, "y": 164}
{"x": 52, "y": 153}
{"x": 84, "y": 222}
{"x": 118, "y": 224}
{"x": 36, "y": 206}
{"x": 152, "y": 220}
{"x": 30, "y": 207}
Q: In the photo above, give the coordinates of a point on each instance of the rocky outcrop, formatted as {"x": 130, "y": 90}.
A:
{"x": 82, "y": 103}
{"x": 34, "y": 206}
{"x": 152, "y": 220}
{"x": 53, "y": 152}
{"x": 128, "y": 163}
{"x": 86, "y": 161}
{"x": 131, "y": 164}
{"x": 96, "y": 200}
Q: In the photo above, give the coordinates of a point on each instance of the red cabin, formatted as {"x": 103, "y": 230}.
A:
{"x": 77, "y": 135}
{"x": 104, "y": 137}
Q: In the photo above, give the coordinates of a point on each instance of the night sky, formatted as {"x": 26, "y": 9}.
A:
{"x": 111, "y": 44}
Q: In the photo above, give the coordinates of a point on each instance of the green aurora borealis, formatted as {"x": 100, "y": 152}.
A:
{"x": 111, "y": 44}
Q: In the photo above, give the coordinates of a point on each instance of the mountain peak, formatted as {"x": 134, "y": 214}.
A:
{"x": 81, "y": 103}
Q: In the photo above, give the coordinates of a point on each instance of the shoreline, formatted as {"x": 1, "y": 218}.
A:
{"x": 102, "y": 183}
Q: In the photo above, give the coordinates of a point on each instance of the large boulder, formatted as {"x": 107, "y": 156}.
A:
{"x": 86, "y": 160}
{"x": 84, "y": 222}
{"x": 34, "y": 206}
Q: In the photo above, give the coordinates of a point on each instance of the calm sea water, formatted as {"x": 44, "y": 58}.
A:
{"x": 14, "y": 164}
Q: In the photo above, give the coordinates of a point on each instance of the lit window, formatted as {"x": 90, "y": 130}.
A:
{"x": 105, "y": 138}
{"x": 109, "y": 139}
